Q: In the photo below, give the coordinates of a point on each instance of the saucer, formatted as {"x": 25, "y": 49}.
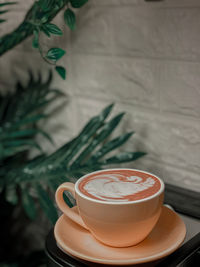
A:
{"x": 165, "y": 238}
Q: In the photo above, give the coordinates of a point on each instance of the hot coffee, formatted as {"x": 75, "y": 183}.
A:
{"x": 121, "y": 185}
{"x": 119, "y": 207}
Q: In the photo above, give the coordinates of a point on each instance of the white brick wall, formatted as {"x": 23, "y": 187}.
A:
{"x": 143, "y": 56}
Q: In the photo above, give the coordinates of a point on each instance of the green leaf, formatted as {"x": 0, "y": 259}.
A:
{"x": 109, "y": 146}
{"x": 107, "y": 129}
{"x": 78, "y": 3}
{"x": 28, "y": 120}
{"x": 46, "y": 5}
{"x": 55, "y": 53}
{"x": 46, "y": 135}
{"x": 46, "y": 204}
{"x": 35, "y": 42}
{"x": 59, "y": 155}
{"x": 55, "y": 165}
{"x": 25, "y": 100}
{"x": 45, "y": 30}
{"x": 3, "y": 11}
{"x": 8, "y": 3}
{"x": 23, "y": 142}
{"x": 11, "y": 194}
{"x": 53, "y": 184}
{"x": 61, "y": 71}
{"x": 70, "y": 19}
{"x": 86, "y": 133}
{"x": 69, "y": 162}
{"x": 25, "y": 133}
{"x": 105, "y": 112}
{"x": 28, "y": 204}
{"x": 2, "y": 20}
{"x": 36, "y": 160}
{"x": 44, "y": 19}
{"x": 19, "y": 114}
{"x": 123, "y": 157}
{"x": 20, "y": 133}
{"x": 52, "y": 28}
{"x": 12, "y": 151}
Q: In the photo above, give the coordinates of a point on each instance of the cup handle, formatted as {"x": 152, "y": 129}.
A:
{"x": 63, "y": 206}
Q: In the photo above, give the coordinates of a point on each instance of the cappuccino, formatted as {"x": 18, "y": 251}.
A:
{"x": 120, "y": 185}
{"x": 119, "y": 207}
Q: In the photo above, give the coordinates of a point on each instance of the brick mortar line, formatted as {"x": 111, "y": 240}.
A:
{"x": 153, "y": 110}
{"x": 171, "y": 166}
{"x": 113, "y": 55}
{"x": 146, "y": 5}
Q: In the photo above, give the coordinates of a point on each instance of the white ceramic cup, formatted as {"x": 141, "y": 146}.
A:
{"x": 117, "y": 224}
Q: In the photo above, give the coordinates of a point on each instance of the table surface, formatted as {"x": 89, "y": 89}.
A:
{"x": 185, "y": 202}
{"x": 192, "y": 226}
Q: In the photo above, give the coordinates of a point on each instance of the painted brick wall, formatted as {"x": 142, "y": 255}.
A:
{"x": 143, "y": 56}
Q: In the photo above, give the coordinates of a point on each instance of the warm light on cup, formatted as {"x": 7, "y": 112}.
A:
{"x": 114, "y": 223}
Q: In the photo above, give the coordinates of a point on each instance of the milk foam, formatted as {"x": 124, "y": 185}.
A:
{"x": 117, "y": 187}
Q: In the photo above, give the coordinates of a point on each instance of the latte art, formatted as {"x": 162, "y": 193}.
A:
{"x": 118, "y": 186}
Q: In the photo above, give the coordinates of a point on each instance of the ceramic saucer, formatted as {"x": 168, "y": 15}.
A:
{"x": 165, "y": 238}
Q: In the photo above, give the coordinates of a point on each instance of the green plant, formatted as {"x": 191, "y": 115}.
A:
{"x": 31, "y": 182}
{"x": 87, "y": 152}
{"x": 37, "y": 22}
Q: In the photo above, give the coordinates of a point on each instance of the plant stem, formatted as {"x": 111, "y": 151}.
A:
{"x": 44, "y": 58}
{"x": 25, "y": 29}
{"x": 12, "y": 39}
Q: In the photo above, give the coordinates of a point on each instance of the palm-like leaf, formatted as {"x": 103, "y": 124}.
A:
{"x": 88, "y": 151}
{"x": 19, "y": 114}
{"x": 3, "y": 11}
{"x": 85, "y": 153}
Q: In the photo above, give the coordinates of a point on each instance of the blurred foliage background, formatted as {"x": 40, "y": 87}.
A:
{"x": 27, "y": 184}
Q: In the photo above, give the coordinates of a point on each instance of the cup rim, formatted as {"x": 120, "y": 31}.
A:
{"x": 119, "y": 202}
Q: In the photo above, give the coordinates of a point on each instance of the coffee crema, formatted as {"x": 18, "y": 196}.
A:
{"x": 119, "y": 185}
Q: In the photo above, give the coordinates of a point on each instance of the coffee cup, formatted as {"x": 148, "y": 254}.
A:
{"x": 119, "y": 207}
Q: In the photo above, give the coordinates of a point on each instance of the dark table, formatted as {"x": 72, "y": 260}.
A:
{"x": 185, "y": 202}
